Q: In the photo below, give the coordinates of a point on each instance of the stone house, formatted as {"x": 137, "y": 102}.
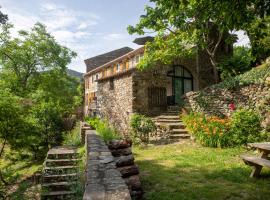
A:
{"x": 115, "y": 88}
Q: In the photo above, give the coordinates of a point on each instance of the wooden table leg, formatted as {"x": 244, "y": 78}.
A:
{"x": 256, "y": 171}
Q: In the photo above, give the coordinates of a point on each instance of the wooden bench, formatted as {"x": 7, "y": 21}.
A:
{"x": 258, "y": 162}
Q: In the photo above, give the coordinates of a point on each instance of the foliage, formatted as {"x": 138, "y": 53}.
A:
{"x": 259, "y": 35}
{"x": 3, "y": 18}
{"x": 237, "y": 64}
{"x": 245, "y": 127}
{"x": 30, "y": 53}
{"x": 254, "y": 76}
{"x": 142, "y": 126}
{"x": 190, "y": 171}
{"x": 93, "y": 121}
{"x": 73, "y": 138}
{"x": 209, "y": 131}
{"x": 103, "y": 128}
{"x": 33, "y": 67}
{"x": 180, "y": 25}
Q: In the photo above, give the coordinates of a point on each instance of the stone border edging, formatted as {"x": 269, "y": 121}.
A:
{"x": 103, "y": 180}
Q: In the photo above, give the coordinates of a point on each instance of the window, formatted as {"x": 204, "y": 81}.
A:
{"x": 96, "y": 76}
{"x": 93, "y": 79}
{"x": 118, "y": 67}
{"x": 137, "y": 58}
{"x": 130, "y": 63}
{"x": 111, "y": 84}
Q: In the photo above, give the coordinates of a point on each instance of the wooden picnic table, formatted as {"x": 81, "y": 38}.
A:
{"x": 258, "y": 162}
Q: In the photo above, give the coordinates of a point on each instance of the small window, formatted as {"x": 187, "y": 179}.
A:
{"x": 118, "y": 67}
{"x": 111, "y": 84}
{"x": 130, "y": 63}
{"x": 93, "y": 79}
{"x": 96, "y": 76}
{"x": 137, "y": 59}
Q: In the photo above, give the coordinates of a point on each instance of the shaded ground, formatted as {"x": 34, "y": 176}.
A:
{"x": 189, "y": 171}
{"x": 19, "y": 170}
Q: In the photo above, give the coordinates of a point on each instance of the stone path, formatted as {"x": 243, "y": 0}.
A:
{"x": 60, "y": 173}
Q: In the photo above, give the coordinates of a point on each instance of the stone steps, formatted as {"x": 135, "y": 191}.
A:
{"x": 58, "y": 195}
{"x": 171, "y": 120}
{"x": 59, "y": 186}
{"x": 60, "y": 177}
{"x": 60, "y": 174}
{"x": 170, "y": 125}
{"x": 180, "y": 136}
{"x": 61, "y": 162}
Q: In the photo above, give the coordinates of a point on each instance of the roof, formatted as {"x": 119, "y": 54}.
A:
{"x": 119, "y": 59}
{"x": 97, "y": 61}
{"x": 143, "y": 40}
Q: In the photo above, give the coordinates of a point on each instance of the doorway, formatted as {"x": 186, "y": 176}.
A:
{"x": 180, "y": 81}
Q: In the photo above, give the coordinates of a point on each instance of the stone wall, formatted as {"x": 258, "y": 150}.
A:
{"x": 216, "y": 101}
{"x": 103, "y": 180}
{"x": 114, "y": 98}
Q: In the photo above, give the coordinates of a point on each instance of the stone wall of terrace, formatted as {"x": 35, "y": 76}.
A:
{"x": 103, "y": 180}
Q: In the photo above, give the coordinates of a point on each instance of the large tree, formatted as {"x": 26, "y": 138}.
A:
{"x": 27, "y": 55}
{"x": 182, "y": 24}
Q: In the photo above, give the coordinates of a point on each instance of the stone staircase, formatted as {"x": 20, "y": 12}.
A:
{"x": 171, "y": 120}
{"x": 60, "y": 174}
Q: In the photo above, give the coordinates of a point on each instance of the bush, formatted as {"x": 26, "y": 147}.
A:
{"x": 245, "y": 127}
{"x": 209, "y": 131}
{"x": 93, "y": 122}
{"x": 73, "y": 138}
{"x": 237, "y": 64}
{"x": 103, "y": 129}
{"x": 142, "y": 126}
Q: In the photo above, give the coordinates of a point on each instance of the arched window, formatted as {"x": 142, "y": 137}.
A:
{"x": 181, "y": 82}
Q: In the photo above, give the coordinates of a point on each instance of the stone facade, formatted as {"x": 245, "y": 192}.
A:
{"x": 114, "y": 98}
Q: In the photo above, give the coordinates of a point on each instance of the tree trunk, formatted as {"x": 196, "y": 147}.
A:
{"x": 214, "y": 64}
{"x": 1, "y": 153}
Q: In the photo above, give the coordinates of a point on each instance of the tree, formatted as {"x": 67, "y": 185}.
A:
{"x": 181, "y": 25}
{"x": 3, "y": 18}
{"x": 259, "y": 35}
{"x": 240, "y": 62}
{"x": 11, "y": 122}
{"x": 34, "y": 69}
{"x": 31, "y": 53}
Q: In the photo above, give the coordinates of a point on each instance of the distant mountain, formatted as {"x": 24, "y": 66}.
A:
{"x": 75, "y": 73}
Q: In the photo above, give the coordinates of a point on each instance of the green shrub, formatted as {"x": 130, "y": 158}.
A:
{"x": 245, "y": 127}
{"x": 106, "y": 131}
{"x": 141, "y": 126}
{"x": 103, "y": 129}
{"x": 73, "y": 138}
{"x": 93, "y": 122}
{"x": 237, "y": 64}
{"x": 209, "y": 131}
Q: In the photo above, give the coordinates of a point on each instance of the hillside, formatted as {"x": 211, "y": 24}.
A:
{"x": 75, "y": 73}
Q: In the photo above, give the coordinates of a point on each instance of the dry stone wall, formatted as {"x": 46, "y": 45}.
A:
{"x": 216, "y": 101}
{"x": 103, "y": 180}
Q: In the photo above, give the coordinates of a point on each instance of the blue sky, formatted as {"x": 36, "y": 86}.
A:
{"x": 89, "y": 27}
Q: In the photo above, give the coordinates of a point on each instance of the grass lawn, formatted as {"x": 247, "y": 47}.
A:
{"x": 189, "y": 171}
